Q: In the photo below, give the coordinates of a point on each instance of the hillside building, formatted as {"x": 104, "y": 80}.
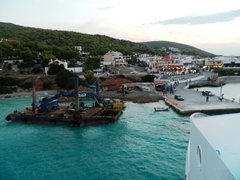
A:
{"x": 233, "y": 64}
{"x": 65, "y": 65}
{"x": 80, "y": 51}
{"x": 114, "y": 58}
{"x": 213, "y": 63}
{"x": 167, "y": 63}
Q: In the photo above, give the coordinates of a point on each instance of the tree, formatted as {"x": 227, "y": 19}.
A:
{"x": 8, "y": 81}
{"x": 92, "y": 63}
{"x": 6, "y": 49}
{"x": 7, "y": 66}
{"x": 27, "y": 54}
{"x": 37, "y": 69}
{"x": 55, "y": 68}
{"x": 5, "y": 90}
{"x": 89, "y": 76}
{"x": 66, "y": 52}
{"x": 148, "y": 78}
{"x": 133, "y": 60}
{"x": 65, "y": 79}
{"x": 46, "y": 57}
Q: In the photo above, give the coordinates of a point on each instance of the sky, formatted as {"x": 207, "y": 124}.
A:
{"x": 211, "y": 25}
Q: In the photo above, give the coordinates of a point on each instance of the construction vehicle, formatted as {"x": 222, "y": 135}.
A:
{"x": 48, "y": 110}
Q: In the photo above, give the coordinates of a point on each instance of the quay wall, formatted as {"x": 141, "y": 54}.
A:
{"x": 180, "y": 108}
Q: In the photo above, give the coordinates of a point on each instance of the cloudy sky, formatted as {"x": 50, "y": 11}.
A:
{"x": 212, "y": 25}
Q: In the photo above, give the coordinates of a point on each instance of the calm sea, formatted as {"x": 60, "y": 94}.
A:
{"x": 142, "y": 144}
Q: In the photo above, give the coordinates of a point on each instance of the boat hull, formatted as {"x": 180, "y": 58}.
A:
{"x": 77, "y": 119}
{"x": 161, "y": 109}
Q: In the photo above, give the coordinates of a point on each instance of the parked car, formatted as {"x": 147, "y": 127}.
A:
{"x": 179, "y": 98}
{"x": 207, "y": 93}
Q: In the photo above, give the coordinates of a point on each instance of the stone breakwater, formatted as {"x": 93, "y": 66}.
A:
{"x": 207, "y": 83}
{"x": 230, "y": 79}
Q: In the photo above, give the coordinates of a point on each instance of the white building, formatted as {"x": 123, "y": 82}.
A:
{"x": 174, "y": 49}
{"x": 148, "y": 58}
{"x": 59, "y": 62}
{"x": 233, "y": 64}
{"x": 80, "y": 51}
{"x": 79, "y": 48}
{"x": 13, "y": 61}
{"x": 65, "y": 65}
{"x": 114, "y": 58}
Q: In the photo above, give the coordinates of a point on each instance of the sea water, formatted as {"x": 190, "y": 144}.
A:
{"x": 142, "y": 144}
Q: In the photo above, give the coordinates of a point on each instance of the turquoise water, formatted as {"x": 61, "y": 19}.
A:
{"x": 142, "y": 144}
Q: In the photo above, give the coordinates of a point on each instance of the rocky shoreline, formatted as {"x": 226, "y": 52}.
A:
{"x": 134, "y": 96}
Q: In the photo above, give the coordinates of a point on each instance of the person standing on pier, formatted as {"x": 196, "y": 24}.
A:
{"x": 207, "y": 97}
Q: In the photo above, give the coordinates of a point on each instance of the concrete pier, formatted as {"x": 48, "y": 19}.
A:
{"x": 194, "y": 101}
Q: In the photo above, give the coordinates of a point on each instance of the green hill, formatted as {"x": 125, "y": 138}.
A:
{"x": 95, "y": 44}
{"x": 184, "y": 49}
{"x": 60, "y": 43}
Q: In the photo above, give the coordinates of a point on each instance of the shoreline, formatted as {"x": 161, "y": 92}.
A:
{"x": 27, "y": 94}
{"x": 133, "y": 96}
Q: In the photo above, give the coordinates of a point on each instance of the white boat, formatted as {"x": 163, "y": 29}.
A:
{"x": 156, "y": 109}
{"x": 213, "y": 149}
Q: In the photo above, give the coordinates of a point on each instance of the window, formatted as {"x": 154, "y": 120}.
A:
{"x": 199, "y": 155}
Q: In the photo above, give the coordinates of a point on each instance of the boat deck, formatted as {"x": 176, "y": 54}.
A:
{"x": 58, "y": 112}
{"x": 91, "y": 112}
{"x": 222, "y": 133}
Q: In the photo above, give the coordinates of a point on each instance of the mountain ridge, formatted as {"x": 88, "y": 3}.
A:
{"x": 95, "y": 44}
{"x": 184, "y": 48}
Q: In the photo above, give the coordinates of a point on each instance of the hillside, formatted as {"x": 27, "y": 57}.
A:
{"x": 95, "y": 44}
{"x": 60, "y": 43}
{"x": 185, "y": 49}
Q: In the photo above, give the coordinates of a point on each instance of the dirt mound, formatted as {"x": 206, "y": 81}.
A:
{"x": 113, "y": 84}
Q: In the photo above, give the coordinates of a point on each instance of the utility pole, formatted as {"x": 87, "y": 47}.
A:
{"x": 97, "y": 87}
{"x": 221, "y": 90}
{"x": 77, "y": 94}
{"x": 33, "y": 93}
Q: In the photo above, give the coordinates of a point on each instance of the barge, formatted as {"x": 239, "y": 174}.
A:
{"x": 66, "y": 116}
{"x": 49, "y": 111}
